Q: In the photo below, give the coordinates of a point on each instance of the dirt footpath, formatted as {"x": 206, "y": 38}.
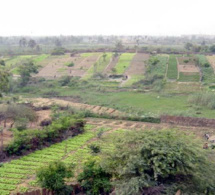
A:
{"x": 44, "y": 102}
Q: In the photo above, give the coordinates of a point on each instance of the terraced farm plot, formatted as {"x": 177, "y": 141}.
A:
{"x": 172, "y": 71}
{"x": 99, "y": 66}
{"x": 136, "y": 70}
{"x": 18, "y": 171}
{"x": 57, "y": 66}
{"x": 124, "y": 62}
{"x": 109, "y": 69}
{"x": 189, "y": 77}
{"x": 211, "y": 60}
{"x": 188, "y": 69}
{"x": 75, "y": 151}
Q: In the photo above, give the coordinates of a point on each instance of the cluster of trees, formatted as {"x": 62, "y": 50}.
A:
{"x": 199, "y": 48}
{"x": 25, "y": 70}
{"x": 23, "y": 43}
{"x": 148, "y": 162}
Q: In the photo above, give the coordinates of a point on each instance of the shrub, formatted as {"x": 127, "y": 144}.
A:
{"x": 145, "y": 160}
{"x": 94, "y": 179}
{"x": 58, "y": 51}
{"x": 53, "y": 177}
{"x": 206, "y": 65}
{"x": 65, "y": 80}
{"x": 94, "y": 148}
{"x": 71, "y": 64}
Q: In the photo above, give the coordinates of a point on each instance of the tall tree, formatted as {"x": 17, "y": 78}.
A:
{"x": 22, "y": 42}
{"x": 25, "y": 70}
{"x": 32, "y": 43}
{"x": 119, "y": 46}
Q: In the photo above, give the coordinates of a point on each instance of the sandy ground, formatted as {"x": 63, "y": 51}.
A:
{"x": 211, "y": 60}
{"x": 54, "y": 67}
{"x": 138, "y": 65}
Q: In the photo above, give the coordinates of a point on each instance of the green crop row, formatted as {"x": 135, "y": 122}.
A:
{"x": 172, "y": 72}
{"x": 14, "y": 171}
{"x": 124, "y": 62}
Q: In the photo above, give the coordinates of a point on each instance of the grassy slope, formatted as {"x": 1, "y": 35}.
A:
{"x": 146, "y": 103}
{"x": 172, "y": 72}
{"x": 13, "y": 63}
{"x": 208, "y": 73}
{"x": 194, "y": 77}
{"x": 124, "y": 62}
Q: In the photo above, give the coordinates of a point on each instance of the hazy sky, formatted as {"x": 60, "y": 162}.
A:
{"x": 107, "y": 17}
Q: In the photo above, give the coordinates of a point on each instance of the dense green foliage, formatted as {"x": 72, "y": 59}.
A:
{"x": 144, "y": 160}
{"x": 53, "y": 177}
{"x": 25, "y": 71}
{"x": 33, "y": 139}
{"x": 4, "y": 81}
{"x": 94, "y": 179}
{"x": 58, "y": 51}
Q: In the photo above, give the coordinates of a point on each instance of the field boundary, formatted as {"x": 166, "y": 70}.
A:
{"x": 188, "y": 121}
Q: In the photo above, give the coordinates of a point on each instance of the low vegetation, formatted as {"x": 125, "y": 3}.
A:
{"x": 203, "y": 99}
{"x": 172, "y": 72}
{"x": 124, "y": 62}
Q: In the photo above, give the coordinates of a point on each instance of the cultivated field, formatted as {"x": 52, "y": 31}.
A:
{"x": 136, "y": 70}
{"x": 19, "y": 175}
{"x": 188, "y": 71}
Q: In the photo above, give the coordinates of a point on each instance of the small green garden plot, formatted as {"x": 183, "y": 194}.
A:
{"x": 172, "y": 72}
{"x": 124, "y": 62}
{"x": 189, "y": 77}
{"x": 40, "y": 58}
{"x": 207, "y": 71}
{"x": 87, "y": 54}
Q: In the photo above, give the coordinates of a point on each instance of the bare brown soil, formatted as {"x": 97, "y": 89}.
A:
{"x": 112, "y": 64}
{"x": 211, "y": 60}
{"x": 186, "y": 61}
{"x": 138, "y": 64}
{"x": 55, "y": 66}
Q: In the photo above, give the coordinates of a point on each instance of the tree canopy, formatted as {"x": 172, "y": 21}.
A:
{"x": 4, "y": 81}
{"x": 166, "y": 159}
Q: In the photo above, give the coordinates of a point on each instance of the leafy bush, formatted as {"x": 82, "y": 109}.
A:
{"x": 65, "y": 80}
{"x": 53, "y": 177}
{"x": 94, "y": 148}
{"x": 58, "y": 51}
{"x": 94, "y": 179}
{"x": 145, "y": 160}
{"x": 71, "y": 64}
{"x": 206, "y": 65}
